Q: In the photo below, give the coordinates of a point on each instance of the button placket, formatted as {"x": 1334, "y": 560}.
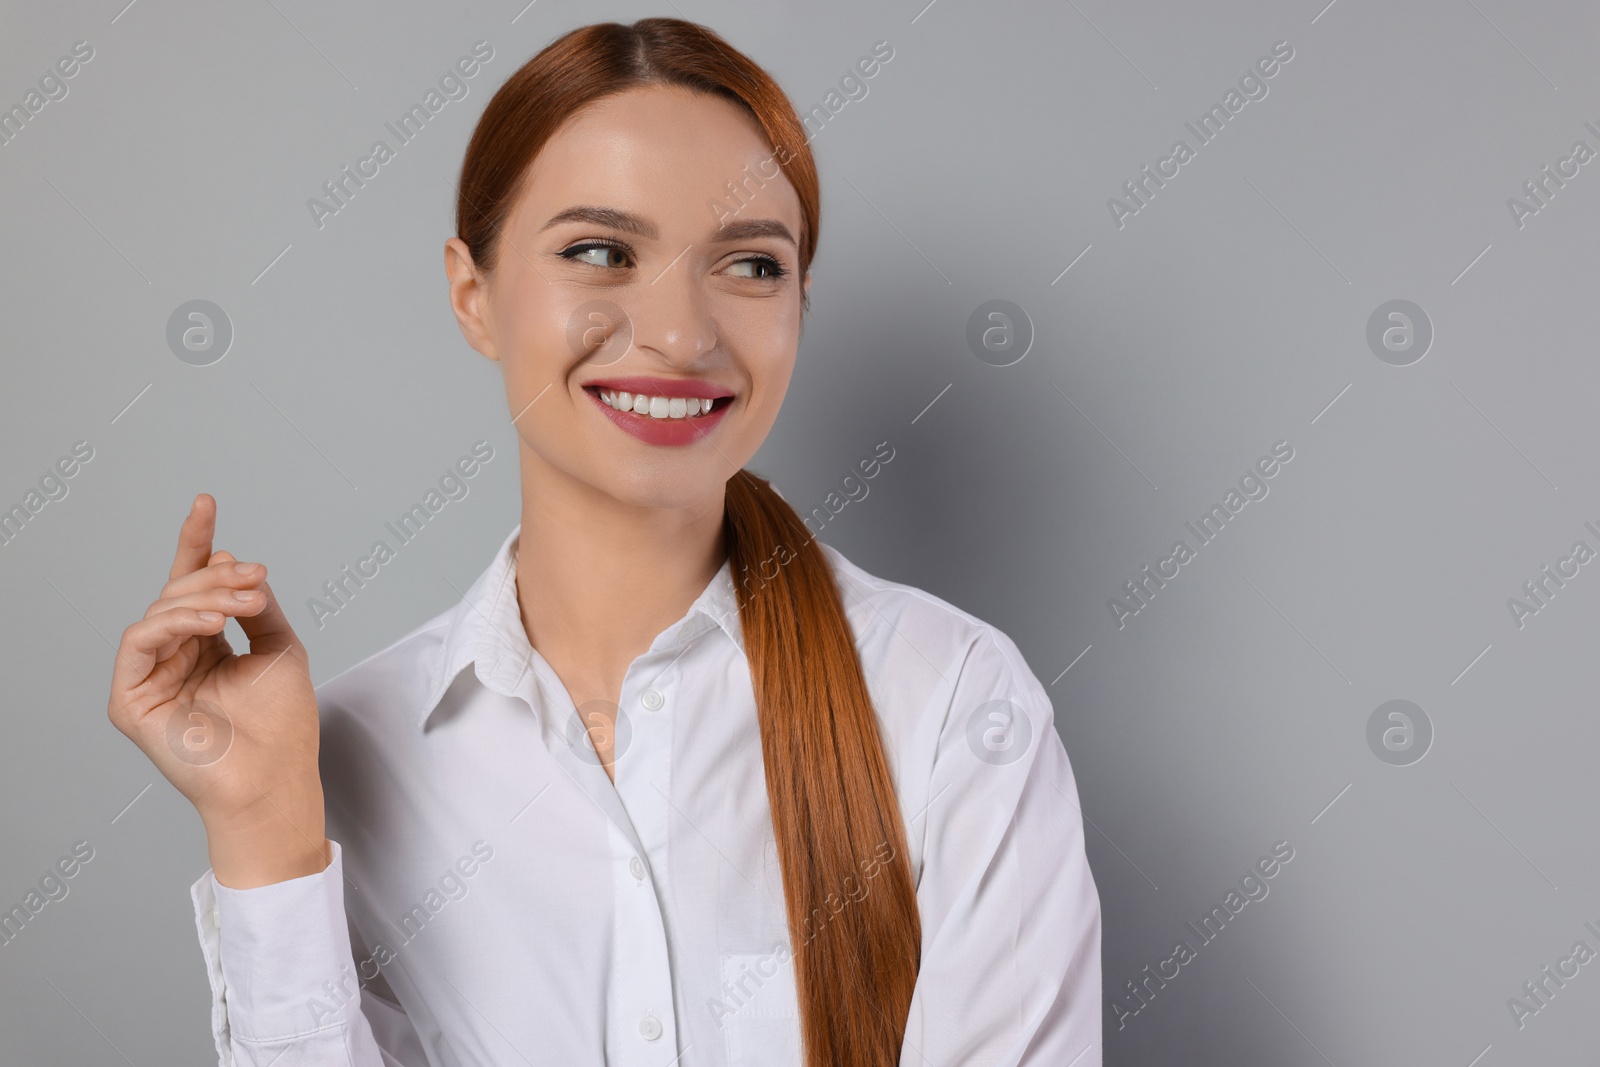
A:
{"x": 644, "y": 775}
{"x": 643, "y": 778}
{"x": 640, "y": 936}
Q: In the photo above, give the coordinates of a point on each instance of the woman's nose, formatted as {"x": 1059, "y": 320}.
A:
{"x": 671, "y": 314}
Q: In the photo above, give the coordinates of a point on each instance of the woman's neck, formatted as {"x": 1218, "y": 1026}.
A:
{"x": 598, "y": 578}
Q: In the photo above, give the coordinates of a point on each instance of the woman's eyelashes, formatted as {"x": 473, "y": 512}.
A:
{"x": 613, "y": 253}
{"x": 774, "y": 269}
{"x": 618, "y": 255}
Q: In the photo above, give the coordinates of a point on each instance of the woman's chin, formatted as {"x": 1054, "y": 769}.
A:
{"x": 658, "y": 486}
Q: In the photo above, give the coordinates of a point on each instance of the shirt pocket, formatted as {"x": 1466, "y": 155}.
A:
{"x": 760, "y": 1013}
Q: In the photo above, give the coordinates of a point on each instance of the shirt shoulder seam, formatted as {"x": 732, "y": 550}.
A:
{"x": 439, "y": 622}
{"x": 853, "y": 572}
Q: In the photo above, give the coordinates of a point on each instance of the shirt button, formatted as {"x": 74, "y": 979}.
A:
{"x": 650, "y": 1027}
{"x": 637, "y": 868}
{"x": 652, "y": 699}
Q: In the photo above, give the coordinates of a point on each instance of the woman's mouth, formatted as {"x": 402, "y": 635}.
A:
{"x": 660, "y": 420}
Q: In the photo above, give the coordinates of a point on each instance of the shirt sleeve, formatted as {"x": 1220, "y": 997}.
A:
{"x": 1010, "y": 970}
{"x": 284, "y": 987}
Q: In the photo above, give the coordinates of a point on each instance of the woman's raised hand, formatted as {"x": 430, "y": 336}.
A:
{"x": 237, "y": 735}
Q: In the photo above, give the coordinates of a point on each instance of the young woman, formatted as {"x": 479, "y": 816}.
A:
{"x": 674, "y": 783}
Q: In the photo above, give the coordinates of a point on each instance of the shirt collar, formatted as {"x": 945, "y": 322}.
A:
{"x": 485, "y": 627}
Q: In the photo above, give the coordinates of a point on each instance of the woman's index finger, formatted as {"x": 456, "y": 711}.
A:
{"x": 194, "y": 537}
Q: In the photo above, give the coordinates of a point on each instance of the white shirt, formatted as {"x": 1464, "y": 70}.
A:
{"x": 517, "y": 907}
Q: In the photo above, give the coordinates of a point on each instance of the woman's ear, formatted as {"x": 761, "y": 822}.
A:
{"x": 805, "y": 289}
{"x": 469, "y": 297}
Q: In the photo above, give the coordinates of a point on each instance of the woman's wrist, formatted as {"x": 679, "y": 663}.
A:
{"x": 272, "y": 843}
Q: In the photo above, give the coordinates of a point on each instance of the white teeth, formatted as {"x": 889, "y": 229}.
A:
{"x": 657, "y": 407}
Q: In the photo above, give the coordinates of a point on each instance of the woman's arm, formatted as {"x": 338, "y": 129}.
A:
{"x": 1010, "y": 969}
{"x": 239, "y": 736}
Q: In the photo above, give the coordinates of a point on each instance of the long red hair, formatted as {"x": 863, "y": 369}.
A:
{"x": 835, "y": 815}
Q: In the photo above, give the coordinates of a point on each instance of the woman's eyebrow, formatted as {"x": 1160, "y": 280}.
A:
{"x": 626, "y": 221}
{"x": 605, "y": 216}
{"x": 744, "y": 229}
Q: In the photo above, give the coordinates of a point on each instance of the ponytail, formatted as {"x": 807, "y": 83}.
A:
{"x": 856, "y": 944}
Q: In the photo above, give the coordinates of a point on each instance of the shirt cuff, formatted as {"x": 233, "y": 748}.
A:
{"x": 277, "y": 956}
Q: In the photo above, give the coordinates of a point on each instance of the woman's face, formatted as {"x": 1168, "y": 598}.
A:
{"x": 625, "y": 259}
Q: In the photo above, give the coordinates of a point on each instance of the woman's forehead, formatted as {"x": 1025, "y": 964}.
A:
{"x": 659, "y": 151}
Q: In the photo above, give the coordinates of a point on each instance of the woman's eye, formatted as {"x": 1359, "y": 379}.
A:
{"x": 603, "y": 255}
{"x": 748, "y": 268}
{"x": 616, "y": 257}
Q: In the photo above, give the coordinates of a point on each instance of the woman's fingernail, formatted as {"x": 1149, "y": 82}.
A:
{"x": 244, "y": 594}
{"x": 211, "y": 616}
{"x": 244, "y": 568}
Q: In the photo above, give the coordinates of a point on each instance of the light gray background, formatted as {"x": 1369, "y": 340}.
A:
{"x": 1230, "y": 313}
